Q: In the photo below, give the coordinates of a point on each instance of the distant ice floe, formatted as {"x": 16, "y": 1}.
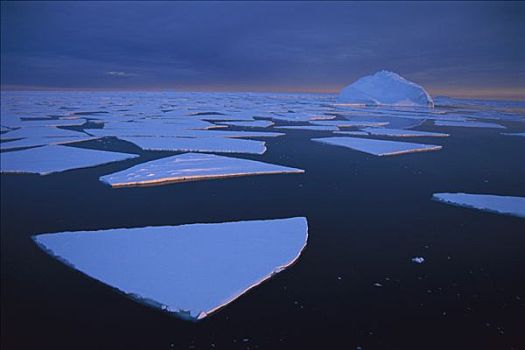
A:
{"x": 191, "y": 167}
{"x": 18, "y": 122}
{"x": 402, "y": 133}
{"x": 202, "y": 144}
{"x": 51, "y": 159}
{"x": 348, "y": 123}
{"x": 385, "y": 88}
{"x": 308, "y": 127}
{"x": 497, "y": 204}
{"x": 41, "y": 141}
{"x": 189, "y": 270}
{"x": 521, "y": 134}
{"x": 254, "y": 124}
{"x": 468, "y": 124}
{"x": 378, "y": 147}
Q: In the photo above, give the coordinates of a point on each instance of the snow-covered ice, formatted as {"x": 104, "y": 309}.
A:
{"x": 418, "y": 260}
{"x": 468, "y": 124}
{"x": 189, "y": 270}
{"x": 190, "y": 167}
{"x": 521, "y": 134}
{"x": 51, "y": 159}
{"x": 488, "y": 202}
{"x": 378, "y": 147}
{"x": 202, "y": 144}
{"x": 42, "y": 141}
{"x": 385, "y": 88}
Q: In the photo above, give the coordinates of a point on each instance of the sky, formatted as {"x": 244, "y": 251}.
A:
{"x": 471, "y": 49}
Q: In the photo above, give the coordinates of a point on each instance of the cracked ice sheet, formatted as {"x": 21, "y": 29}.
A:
{"x": 209, "y": 144}
{"x": 492, "y": 203}
{"x": 378, "y": 147}
{"x": 189, "y": 270}
{"x": 401, "y": 132}
{"x": 51, "y": 159}
{"x": 254, "y": 124}
{"x": 191, "y": 167}
{"x": 469, "y": 124}
{"x": 347, "y": 123}
{"x": 309, "y": 127}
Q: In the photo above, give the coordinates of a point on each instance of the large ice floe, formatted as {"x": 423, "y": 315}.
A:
{"x": 51, "y": 159}
{"x": 378, "y": 147}
{"x": 497, "y": 204}
{"x": 385, "y": 88}
{"x": 191, "y": 167}
{"x": 189, "y": 270}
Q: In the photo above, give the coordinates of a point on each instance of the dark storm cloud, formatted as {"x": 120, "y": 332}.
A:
{"x": 255, "y": 45}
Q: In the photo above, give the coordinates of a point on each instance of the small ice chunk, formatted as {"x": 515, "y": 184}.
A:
{"x": 378, "y": 147}
{"x": 309, "y": 127}
{"x": 254, "y": 124}
{"x": 201, "y": 144}
{"x": 418, "y": 260}
{"x": 51, "y": 159}
{"x": 190, "y": 167}
{"x": 468, "y": 124}
{"x": 402, "y": 132}
{"x": 189, "y": 270}
{"x": 493, "y": 203}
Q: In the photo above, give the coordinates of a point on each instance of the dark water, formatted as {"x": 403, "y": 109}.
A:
{"x": 368, "y": 216}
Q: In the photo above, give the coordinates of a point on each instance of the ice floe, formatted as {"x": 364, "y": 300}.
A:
{"x": 385, "y": 88}
{"x": 468, "y": 124}
{"x": 348, "y": 123}
{"x": 209, "y": 144}
{"x": 51, "y": 159}
{"x": 309, "y": 127}
{"x": 189, "y": 270}
{"x": 493, "y": 203}
{"x": 254, "y": 124}
{"x": 378, "y": 147}
{"x": 521, "y": 134}
{"x": 402, "y": 133}
{"x": 191, "y": 167}
{"x": 418, "y": 260}
{"x": 41, "y": 141}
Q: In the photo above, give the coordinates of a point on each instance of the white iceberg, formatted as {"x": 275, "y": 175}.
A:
{"x": 497, "y": 204}
{"x": 378, "y": 147}
{"x": 191, "y": 167}
{"x": 51, "y": 159}
{"x": 202, "y": 144}
{"x": 189, "y": 270}
{"x": 385, "y": 88}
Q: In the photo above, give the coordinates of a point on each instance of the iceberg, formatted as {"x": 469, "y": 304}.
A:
{"x": 385, "y": 88}
{"x": 378, "y": 147}
{"x": 191, "y": 167}
{"x": 51, "y": 159}
{"x": 189, "y": 270}
{"x": 497, "y": 204}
